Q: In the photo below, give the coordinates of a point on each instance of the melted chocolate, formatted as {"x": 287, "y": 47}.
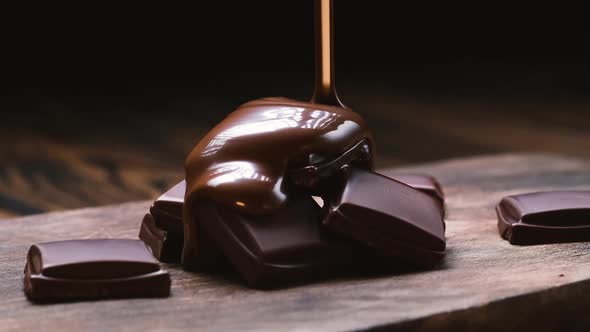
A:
{"x": 242, "y": 163}
{"x": 423, "y": 182}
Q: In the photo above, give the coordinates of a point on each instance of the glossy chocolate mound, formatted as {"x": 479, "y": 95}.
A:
{"x": 243, "y": 160}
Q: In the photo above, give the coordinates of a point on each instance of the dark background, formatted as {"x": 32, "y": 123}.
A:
{"x": 97, "y": 109}
{"x": 243, "y": 51}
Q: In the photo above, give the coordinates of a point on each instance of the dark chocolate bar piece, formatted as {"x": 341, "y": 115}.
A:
{"x": 93, "y": 269}
{"x": 423, "y": 182}
{"x": 166, "y": 246}
{"x": 288, "y": 245}
{"x": 167, "y": 209}
{"x": 162, "y": 228}
{"x": 389, "y": 216}
{"x": 545, "y": 217}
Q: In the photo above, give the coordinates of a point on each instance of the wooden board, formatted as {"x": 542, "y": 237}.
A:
{"x": 484, "y": 284}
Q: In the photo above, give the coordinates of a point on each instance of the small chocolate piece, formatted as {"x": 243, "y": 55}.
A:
{"x": 545, "y": 217}
{"x": 287, "y": 245}
{"x": 389, "y": 216}
{"x": 93, "y": 269}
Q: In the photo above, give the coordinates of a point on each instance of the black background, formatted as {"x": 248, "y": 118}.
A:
{"x": 238, "y": 52}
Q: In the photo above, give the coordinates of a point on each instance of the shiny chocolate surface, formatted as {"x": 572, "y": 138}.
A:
{"x": 241, "y": 162}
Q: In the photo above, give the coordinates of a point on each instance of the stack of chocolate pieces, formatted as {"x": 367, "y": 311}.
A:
{"x": 248, "y": 199}
{"x": 303, "y": 240}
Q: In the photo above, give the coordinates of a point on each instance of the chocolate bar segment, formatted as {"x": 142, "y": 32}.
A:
{"x": 389, "y": 216}
{"x": 162, "y": 228}
{"x": 545, "y": 217}
{"x": 286, "y": 246}
{"x": 93, "y": 269}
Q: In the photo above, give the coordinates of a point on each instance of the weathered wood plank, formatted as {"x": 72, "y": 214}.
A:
{"x": 484, "y": 284}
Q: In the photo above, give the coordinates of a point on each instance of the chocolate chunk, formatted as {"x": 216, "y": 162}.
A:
{"x": 545, "y": 217}
{"x": 423, "y": 182}
{"x": 162, "y": 228}
{"x": 390, "y": 216}
{"x": 93, "y": 269}
{"x": 287, "y": 245}
{"x": 166, "y": 246}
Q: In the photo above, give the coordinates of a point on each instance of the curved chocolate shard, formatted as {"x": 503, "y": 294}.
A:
{"x": 285, "y": 246}
{"x": 243, "y": 162}
{"x": 389, "y": 216}
{"x": 545, "y": 217}
{"x": 93, "y": 269}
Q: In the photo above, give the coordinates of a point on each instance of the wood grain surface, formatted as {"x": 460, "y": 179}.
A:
{"x": 79, "y": 155}
{"x": 484, "y": 283}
